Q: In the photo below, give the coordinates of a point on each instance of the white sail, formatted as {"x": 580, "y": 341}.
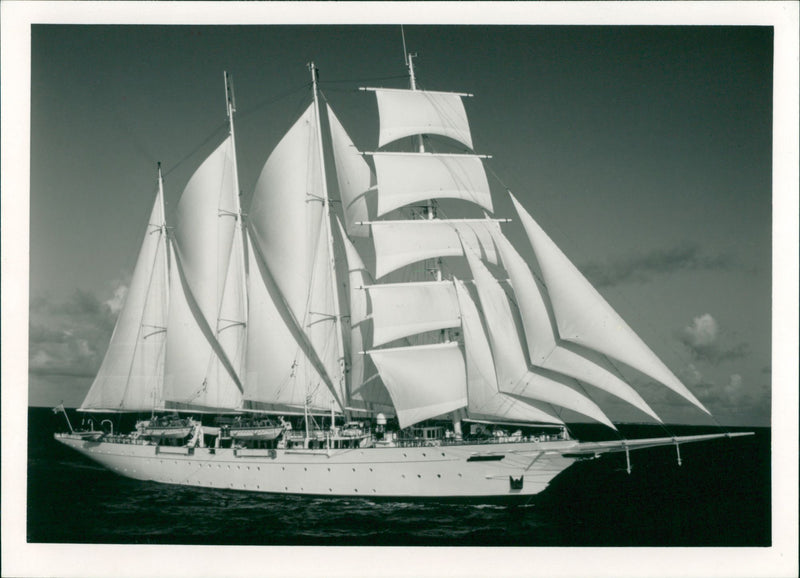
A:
{"x": 400, "y": 243}
{"x": 355, "y": 178}
{"x": 279, "y": 376}
{"x": 288, "y": 225}
{"x": 131, "y": 376}
{"x": 286, "y": 212}
{"x": 411, "y": 112}
{"x": 195, "y": 378}
{"x": 543, "y": 345}
{"x": 205, "y": 221}
{"x": 404, "y": 309}
{"x": 365, "y": 387}
{"x": 513, "y": 374}
{"x": 584, "y": 317}
{"x": 424, "y": 381}
{"x": 484, "y": 398}
{"x": 407, "y": 178}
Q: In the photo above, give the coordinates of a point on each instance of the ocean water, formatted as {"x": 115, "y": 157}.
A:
{"x": 720, "y": 496}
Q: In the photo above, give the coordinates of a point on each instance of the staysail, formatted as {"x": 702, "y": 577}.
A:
{"x": 289, "y": 227}
{"x": 485, "y": 401}
{"x": 279, "y": 377}
{"x": 584, "y": 317}
{"x": 513, "y": 374}
{"x": 131, "y": 376}
{"x": 206, "y": 328}
{"x": 355, "y": 178}
{"x": 365, "y": 388}
{"x": 544, "y": 348}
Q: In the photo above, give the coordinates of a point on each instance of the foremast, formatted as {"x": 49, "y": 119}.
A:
{"x": 430, "y": 214}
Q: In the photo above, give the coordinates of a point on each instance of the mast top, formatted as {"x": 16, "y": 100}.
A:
{"x": 230, "y": 97}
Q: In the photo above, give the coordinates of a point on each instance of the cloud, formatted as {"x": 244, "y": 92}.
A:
{"x": 642, "y": 268}
{"x": 702, "y": 338}
{"x": 702, "y": 332}
{"x": 115, "y": 303}
{"x": 734, "y": 397}
{"x": 69, "y": 337}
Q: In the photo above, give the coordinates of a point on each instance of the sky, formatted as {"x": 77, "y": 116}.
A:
{"x": 645, "y": 152}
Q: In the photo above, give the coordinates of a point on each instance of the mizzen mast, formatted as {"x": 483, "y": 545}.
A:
{"x": 336, "y": 314}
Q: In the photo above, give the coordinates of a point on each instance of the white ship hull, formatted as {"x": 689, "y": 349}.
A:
{"x": 498, "y": 470}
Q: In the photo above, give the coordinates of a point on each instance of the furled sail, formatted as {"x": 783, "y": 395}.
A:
{"x": 584, "y": 317}
{"x": 279, "y": 376}
{"x": 400, "y": 243}
{"x": 355, "y": 178}
{"x": 288, "y": 224}
{"x": 411, "y": 112}
{"x": 543, "y": 345}
{"x": 513, "y": 374}
{"x": 424, "y": 381}
{"x": 366, "y": 390}
{"x": 485, "y": 402}
{"x": 131, "y": 376}
{"x": 406, "y": 178}
{"x": 404, "y": 309}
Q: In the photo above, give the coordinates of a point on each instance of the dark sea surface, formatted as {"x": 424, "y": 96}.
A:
{"x": 720, "y": 496}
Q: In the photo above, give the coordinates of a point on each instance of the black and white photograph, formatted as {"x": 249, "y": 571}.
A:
{"x": 460, "y": 289}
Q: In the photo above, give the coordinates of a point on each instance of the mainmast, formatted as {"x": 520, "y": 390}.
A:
{"x": 329, "y": 236}
{"x": 231, "y": 108}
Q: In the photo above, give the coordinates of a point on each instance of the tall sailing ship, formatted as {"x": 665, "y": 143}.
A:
{"x": 380, "y": 349}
